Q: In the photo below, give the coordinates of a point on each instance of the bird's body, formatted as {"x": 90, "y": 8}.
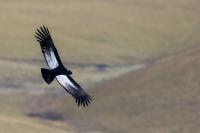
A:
{"x": 61, "y": 70}
{"x": 57, "y": 69}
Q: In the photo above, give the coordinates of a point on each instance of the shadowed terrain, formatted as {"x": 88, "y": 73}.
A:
{"x": 161, "y": 98}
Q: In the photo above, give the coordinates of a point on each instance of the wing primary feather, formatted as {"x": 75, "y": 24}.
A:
{"x": 46, "y": 30}
{"x": 87, "y": 100}
{"x": 38, "y": 35}
{"x": 43, "y": 31}
{"x": 90, "y": 98}
{"x": 38, "y": 38}
{"x": 84, "y": 101}
{"x": 79, "y": 101}
{"x": 41, "y": 34}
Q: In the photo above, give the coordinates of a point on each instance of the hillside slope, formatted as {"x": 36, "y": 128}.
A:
{"x": 96, "y": 32}
{"x": 162, "y": 98}
{"x": 12, "y": 119}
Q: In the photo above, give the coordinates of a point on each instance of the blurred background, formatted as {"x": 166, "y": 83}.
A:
{"x": 139, "y": 59}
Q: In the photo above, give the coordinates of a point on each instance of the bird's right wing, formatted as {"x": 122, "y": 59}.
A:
{"x": 47, "y": 46}
{"x": 81, "y": 97}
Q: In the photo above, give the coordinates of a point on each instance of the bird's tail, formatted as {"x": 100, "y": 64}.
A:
{"x": 47, "y": 75}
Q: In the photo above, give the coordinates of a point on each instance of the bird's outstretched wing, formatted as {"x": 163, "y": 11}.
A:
{"x": 48, "y": 49}
{"x": 68, "y": 83}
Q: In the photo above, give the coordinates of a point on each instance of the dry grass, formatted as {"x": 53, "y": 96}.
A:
{"x": 100, "y": 31}
{"x": 162, "y": 98}
{"x": 12, "y": 117}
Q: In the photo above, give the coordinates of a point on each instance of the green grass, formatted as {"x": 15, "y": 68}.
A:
{"x": 100, "y": 31}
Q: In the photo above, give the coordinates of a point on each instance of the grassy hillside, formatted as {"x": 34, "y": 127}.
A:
{"x": 161, "y": 98}
{"x": 99, "y": 31}
{"x": 12, "y": 118}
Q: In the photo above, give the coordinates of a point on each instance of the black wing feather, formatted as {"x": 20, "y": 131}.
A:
{"x": 43, "y": 36}
{"x": 80, "y": 96}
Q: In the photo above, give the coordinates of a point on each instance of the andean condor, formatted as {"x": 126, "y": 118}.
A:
{"x": 57, "y": 69}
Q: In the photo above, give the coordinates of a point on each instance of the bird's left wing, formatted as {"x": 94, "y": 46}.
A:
{"x": 68, "y": 83}
{"x": 48, "y": 48}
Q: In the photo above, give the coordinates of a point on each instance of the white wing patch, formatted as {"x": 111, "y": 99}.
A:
{"x": 51, "y": 60}
{"x": 65, "y": 81}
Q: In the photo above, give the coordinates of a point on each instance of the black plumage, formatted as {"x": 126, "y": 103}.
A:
{"x": 57, "y": 69}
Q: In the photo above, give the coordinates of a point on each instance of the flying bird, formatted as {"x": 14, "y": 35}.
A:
{"x": 57, "y": 69}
